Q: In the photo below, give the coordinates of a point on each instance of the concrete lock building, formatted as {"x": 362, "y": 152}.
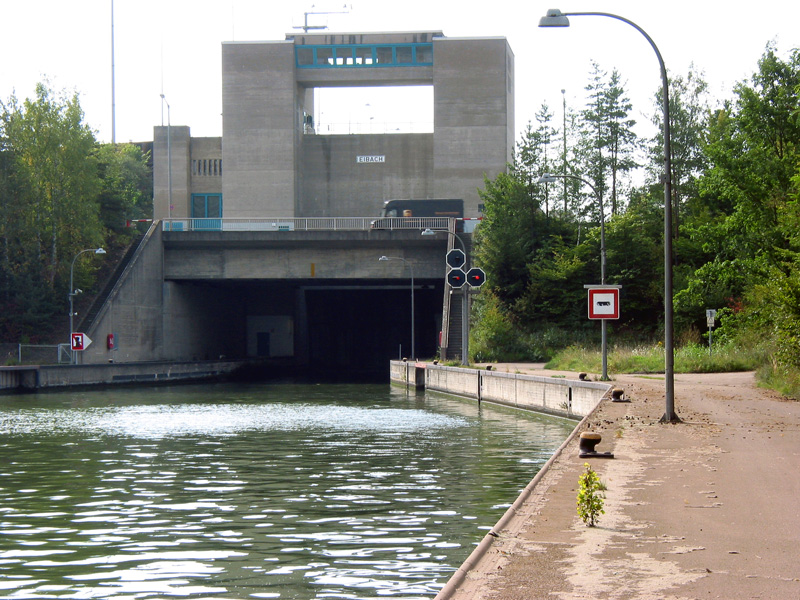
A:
{"x": 239, "y": 260}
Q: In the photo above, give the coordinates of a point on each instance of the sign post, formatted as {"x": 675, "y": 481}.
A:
{"x": 711, "y": 315}
{"x": 603, "y": 305}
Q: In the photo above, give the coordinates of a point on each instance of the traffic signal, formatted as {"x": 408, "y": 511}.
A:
{"x": 456, "y": 278}
{"x": 476, "y": 277}
{"x": 455, "y": 258}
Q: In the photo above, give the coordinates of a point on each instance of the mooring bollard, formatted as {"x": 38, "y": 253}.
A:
{"x": 588, "y": 441}
{"x": 618, "y": 395}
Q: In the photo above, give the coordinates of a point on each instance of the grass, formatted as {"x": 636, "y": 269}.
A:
{"x": 691, "y": 358}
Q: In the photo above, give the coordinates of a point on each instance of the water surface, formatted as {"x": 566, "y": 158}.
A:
{"x": 253, "y": 491}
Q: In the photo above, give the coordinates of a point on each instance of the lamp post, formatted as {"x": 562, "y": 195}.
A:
{"x": 411, "y": 268}
{"x": 555, "y": 18}
{"x": 550, "y": 178}
{"x": 73, "y": 292}
{"x": 169, "y": 156}
{"x": 464, "y": 300}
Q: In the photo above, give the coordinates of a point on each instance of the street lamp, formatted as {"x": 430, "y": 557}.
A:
{"x": 464, "y": 300}
{"x": 411, "y": 268}
{"x": 550, "y": 178}
{"x": 73, "y": 292}
{"x": 169, "y": 155}
{"x": 555, "y": 18}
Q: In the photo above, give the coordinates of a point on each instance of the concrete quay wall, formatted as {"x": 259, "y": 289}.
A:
{"x": 40, "y": 377}
{"x": 573, "y": 399}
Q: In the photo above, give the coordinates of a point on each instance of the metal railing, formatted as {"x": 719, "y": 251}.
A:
{"x": 42, "y": 354}
{"x": 307, "y": 224}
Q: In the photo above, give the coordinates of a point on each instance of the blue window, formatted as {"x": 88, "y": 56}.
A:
{"x": 207, "y": 212}
{"x": 363, "y": 55}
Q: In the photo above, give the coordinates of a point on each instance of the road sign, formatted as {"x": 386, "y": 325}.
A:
{"x": 456, "y": 278}
{"x": 455, "y": 258}
{"x": 79, "y": 341}
{"x": 476, "y": 277}
{"x": 604, "y": 303}
{"x": 711, "y": 315}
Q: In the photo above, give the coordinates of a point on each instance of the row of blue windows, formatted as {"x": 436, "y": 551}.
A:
{"x": 364, "y": 55}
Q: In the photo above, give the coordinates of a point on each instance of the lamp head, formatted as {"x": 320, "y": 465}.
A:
{"x": 547, "y": 178}
{"x": 384, "y": 258}
{"x": 554, "y": 18}
{"x": 428, "y": 231}
{"x": 99, "y": 251}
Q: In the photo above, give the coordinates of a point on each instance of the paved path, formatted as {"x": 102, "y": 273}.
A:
{"x": 709, "y": 508}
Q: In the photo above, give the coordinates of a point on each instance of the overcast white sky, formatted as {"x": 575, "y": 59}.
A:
{"x": 174, "y": 46}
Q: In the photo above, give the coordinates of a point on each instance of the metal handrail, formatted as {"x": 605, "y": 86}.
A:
{"x": 306, "y": 224}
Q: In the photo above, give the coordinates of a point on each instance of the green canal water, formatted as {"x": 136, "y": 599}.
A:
{"x": 254, "y": 491}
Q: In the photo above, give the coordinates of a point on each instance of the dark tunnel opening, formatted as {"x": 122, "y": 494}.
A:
{"x": 354, "y": 333}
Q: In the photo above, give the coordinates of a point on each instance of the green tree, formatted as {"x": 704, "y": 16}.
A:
{"x": 751, "y": 199}
{"x": 508, "y": 235}
{"x": 689, "y": 116}
{"x": 55, "y": 177}
{"x": 532, "y": 158}
{"x": 127, "y": 185}
{"x": 608, "y": 143}
{"x": 622, "y": 141}
{"x": 49, "y": 209}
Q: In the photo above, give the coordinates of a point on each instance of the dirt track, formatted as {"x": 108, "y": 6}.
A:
{"x": 709, "y": 508}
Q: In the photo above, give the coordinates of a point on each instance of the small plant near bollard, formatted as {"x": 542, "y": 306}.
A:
{"x": 590, "y": 496}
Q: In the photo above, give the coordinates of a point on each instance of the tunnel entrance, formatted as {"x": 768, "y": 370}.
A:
{"x": 309, "y": 328}
{"x": 352, "y": 333}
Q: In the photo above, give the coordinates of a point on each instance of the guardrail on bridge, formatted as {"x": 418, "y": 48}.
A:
{"x": 306, "y": 224}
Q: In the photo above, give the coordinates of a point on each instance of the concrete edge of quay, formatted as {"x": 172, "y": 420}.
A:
{"x": 35, "y": 378}
{"x": 549, "y": 395}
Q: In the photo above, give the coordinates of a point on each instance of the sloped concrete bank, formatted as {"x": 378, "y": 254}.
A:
{"x": 562, "y": 397}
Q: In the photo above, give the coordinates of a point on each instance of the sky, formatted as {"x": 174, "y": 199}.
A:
{"x": 174, "y": 47}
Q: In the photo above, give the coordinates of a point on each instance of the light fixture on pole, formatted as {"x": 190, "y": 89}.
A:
{"x": 411, "y": 268}
{"x": 555, "y": 18}
{"x": 550, "y": 178}
{"x": 73, "y": 292}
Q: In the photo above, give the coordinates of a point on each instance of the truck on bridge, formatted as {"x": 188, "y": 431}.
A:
{"x": 409, "y": 213}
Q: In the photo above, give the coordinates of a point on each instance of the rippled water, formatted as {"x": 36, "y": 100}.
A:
{"x": 261, "y": 491}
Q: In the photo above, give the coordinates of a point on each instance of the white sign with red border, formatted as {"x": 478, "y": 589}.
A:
{"x": 603, "y": 302}
{"x": 79, "y": 341}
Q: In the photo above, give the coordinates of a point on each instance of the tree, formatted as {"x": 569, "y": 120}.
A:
{"x": 689, "y": 116}
{"x": 127, "y": 185}
{"x": 55, "y": 177}
{"x": 750, "y": 193}
{"x": 622, "y": 141}
{"x": 609, "y": 142}
{"x": 531, "y": 159}
{"x": 49, "y": 209}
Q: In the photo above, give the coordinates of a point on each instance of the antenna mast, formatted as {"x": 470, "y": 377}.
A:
{"x": 305, "y": 27}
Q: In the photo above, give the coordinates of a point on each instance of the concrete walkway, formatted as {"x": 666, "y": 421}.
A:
{"x": 709, "y": 508}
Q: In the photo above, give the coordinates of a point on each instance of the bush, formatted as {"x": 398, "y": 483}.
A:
{"x": 590, "y": 496}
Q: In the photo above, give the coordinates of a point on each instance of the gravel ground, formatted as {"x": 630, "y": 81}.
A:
{"x": 707, "y": 508}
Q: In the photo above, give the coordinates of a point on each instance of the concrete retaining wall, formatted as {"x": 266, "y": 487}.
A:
{"x": 25, "y": 379}
{"x": 408, "y": 374}
{"x": 562, "y": 397}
